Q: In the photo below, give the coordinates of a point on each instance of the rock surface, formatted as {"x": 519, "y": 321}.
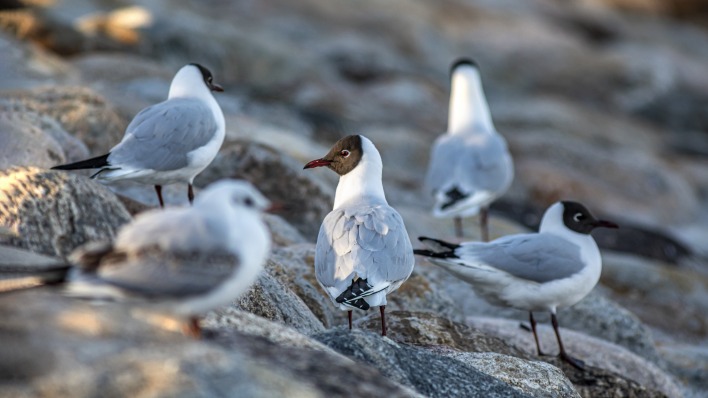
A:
{"x": 54, "y": 212}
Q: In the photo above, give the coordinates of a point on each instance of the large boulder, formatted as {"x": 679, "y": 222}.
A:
{"x": 54, "y": 212}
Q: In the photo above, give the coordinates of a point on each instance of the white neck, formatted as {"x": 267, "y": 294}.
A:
{"x": 363, "y": 183}
{"x": 468, "y": 109}
{"x": 189, "y": 83}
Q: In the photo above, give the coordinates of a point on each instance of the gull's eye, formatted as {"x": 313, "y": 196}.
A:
{"x": 248, "y": 202}
{"x": 578, "y": 217}
{"x": 210, "y": 79}
{"x": 345, "y": 153}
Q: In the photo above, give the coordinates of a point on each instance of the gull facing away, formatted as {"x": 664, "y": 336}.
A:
{"x": 169, "y": 142}
{"x": 470, "y": 166}
{"x": 543, "y": 271}
{"x": 363, "y": 250}
{"x": 183, "y": 260}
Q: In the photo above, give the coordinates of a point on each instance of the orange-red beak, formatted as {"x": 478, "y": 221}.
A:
{"x": 317, "y": 163}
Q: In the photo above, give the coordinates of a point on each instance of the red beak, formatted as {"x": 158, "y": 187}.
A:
{"x": 216, "y": 87}
{"x": 275, "y": 207}
{"x": 605, "y": 224}
{"x": 317, "y": 163}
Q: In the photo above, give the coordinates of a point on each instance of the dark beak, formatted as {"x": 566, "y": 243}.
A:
{"x": 604, "y": 224}
{"x": 317, "y": 163}
{"x": 216, "y": 87}
{"x": 275, "y": 208}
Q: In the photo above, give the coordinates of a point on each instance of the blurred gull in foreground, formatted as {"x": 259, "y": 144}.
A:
{"x": 543, "y": 271}
{"x": 470, "y": 166}
{"x": 170, "y": 142}
{"x": 363, "y": 250}
{"x": 182, "y": 261}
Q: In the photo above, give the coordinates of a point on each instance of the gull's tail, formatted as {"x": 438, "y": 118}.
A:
{"x": 93, "y": 163}
{"x": 438, "y": 248}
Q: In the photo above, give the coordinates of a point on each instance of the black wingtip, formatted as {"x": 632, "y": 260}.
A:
{"x": 93, "y": 163}
{"x": 448, "y": 245}
{"x": 461, "y": 62}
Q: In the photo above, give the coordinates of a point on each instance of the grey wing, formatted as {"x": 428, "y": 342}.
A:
{"x": 161, "y": 136}
{"x": 535, "y": 257}
{"x": 154, "y": 273}
{"x": 369, "y": 241}
{"x": 470, "y": 163}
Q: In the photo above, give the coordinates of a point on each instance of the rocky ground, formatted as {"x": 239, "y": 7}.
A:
{"x": 601, "y": 101}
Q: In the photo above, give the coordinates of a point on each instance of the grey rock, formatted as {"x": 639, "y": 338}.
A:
{"x": 24, "y": 144}
{"x": 536, "y": 378}
{"x": 80, "y": 111}
{"x": 432, "y": 330}
{"x": 272, "y": 299}
{"x": 429, "y": 374}
{"x": 55, "y": 212}
{"x": 278, "y": 177}
{"x": 65, "y": 348}
{"x": 609, "y": 364}
{"x": 689, "y": 363}
{"x": 45, "y": 68}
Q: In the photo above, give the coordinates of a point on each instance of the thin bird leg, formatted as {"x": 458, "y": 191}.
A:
{"x": 484, "y": 223}
{"x": 158, "y": 189}
{"x": 564, "y": 355}
{"x": 350, "y": 319}
{"x": 458, "y": 227}
{"x": 383, "y": 320}
{"x": 192, "y": 328}
{"x": 535, "y": 335}
{"x": 190, "y": 194}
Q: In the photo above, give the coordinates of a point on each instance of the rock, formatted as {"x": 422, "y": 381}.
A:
{"x": 611, "y": 365}
{"x": 429, "y": 374}
{"x": 63, "y": 347}
{"x": 54, "y": 212}
{"x": 282, "y": 234}
{"x": 272, "y": 299}
{"x": 431, "y": 330}
{"x": 26, "y": 66}
{"x": 689, "y": 363}
{"x": 535, "y": 378}
{"x": 80, "y": 111}
{"x": 305, "y": 201}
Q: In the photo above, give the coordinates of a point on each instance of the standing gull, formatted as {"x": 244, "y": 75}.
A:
{"x": 363, "y": 250}
{"x": 470, "y": 165}
{"x": 170, "y": 142}
{"x": 186, "y": 260}
{"x": 543, "y": 271}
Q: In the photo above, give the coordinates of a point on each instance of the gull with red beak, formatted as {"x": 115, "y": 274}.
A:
{"x": 470, "y": 166}
{"x": 170, "y": 142}
{"x": 543, "y": 271}
{"x": 363, "y": 250}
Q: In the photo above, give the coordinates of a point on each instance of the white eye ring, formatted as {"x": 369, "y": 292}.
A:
{"x": 577, "y": 217}
{"x": 345, "y": 153}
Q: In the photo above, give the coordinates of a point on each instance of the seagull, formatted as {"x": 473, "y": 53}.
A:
{"x": 543, "y": 271}
{"x": 363, "y": 251}
{"x": 470, "y": 166}
{"x": 24, "y": 269}
{"x": 169, "y": 142}
{"x": 186, "y": 260}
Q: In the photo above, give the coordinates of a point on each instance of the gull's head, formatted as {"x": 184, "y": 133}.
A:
{"x": 573, "y": 216}
{"x": 193, "y": 77}
{"x": 236, "y": 194}
{"x": 462, "y": 71}
{"x": 348, "y": 153}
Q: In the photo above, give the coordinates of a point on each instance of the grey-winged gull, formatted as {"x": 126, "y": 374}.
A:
{"x": 470, "y": 166}
{"x": 543, "y": 271}
{"x": 363, "y": 250}
{"x": 183, "y": 261}
{"x": 169, "y": 142}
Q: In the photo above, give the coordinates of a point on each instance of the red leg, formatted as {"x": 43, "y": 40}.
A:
{"x": 535, "y": 335}
{"x": 190, "y": 193}
{"x": 349, "y": 314}
{"x": 563, "y": 355}
{"x": 192, "y": 328}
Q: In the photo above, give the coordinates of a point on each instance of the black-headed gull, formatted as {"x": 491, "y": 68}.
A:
{"x": 543, "y": 271}
{"x": 169, "y": 142}
{"x": 470, "y": 166}
{"x": 182, "y": 261}
{"x": 363, "y": 250}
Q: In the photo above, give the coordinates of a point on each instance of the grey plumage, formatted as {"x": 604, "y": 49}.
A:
{"x": 161, "y": 136}
{"x": 367, "y": 241}
{"x": 532, "y": 257}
